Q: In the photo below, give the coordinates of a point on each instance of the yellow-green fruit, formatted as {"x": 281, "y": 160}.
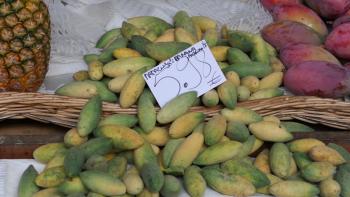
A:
{"x": 325, "y": 153}
{"x": 224, "y": 139}
{"x": 266, "y": 93}
{"x": 272, "y": 118}
{"x": 103, "y": 91}
{"x": 228, "y": 94}
{"x": 169, "y": 150}
{"x": 117, "y": 84}
{"x": 185, "y": 124}
{"x": 293, "y": 170}
{"x": 318, "y": 171}
{"x": 218, "y": 153}
{"x": 161, "y": 51}
{"x": 128, "y": 65}
{"x": 89, "y": 116}
{"x": 243, "y": 93}
{"x": 50, "y": 177}
{"x": 132, "y": 89}
{"x": 123, "y": 137}
{"x": 293, "y": 189}
{"x": 181, "y": 35}
{"x": 96, "y": 162}
{"x": 73, "y": 162}
{"x": 296, "y": 127}
{"x": 241, "y": 40}
{"x": 223, "y": 65}
{"x": 148, "y": 23}
{"x": 330, "y": 188}
{"x": 182, "y": 19}
{"x": 72, "y": 138}
{"x": 260, "y": 52}
{"x": 133, "y": 181}
{"x": 235, "y": 55}
{"x": 46, "y": 152}
{"x": 194, "y": 182}
{"x": 237, "y": 131}
{"x": 219, "y": 52}
{"x": 144, "y": 155}
{"x": 57, "y": 160}
{"x": 155, "y": 149}
{"x": 226, "y": 183}
{"x": 251, "y": 82}
{"x": 96, "y": 70}
{"x": 99, "y": 146}
{"x": 241, "y": 114}
{"x": 233, "y": 77}
{"x": 81, "y": 75}
{"x": 302, "y": 159}
{"x": 158, "y": 136}
{"x": 125, "y": 52}
{"x": 146, "y": 111}
{"x": 270, "y": 131}
{"x": 117, "y": 166}
{"x": 176, "y": 107}
{"x": 204, "y": 22}
{"x": 247, "y": 147}
{"x": 152, "y": 176}
{"x": 257, "y": 144}
{"x": 89, "y": 58}
{"x": 151, "y": 35}
{"x": 108, "y": 37}
{"x": 27, "y": 186}
{"x": 119, "y": 119}
{"x": 276, "y": 65}
{"x": 214, "y": 130}
{"x": 49, "y": 192}
{"x": 224, "y": 31}
{"x": 172, "y": 186}
{"x": 146, "y": 193}
{"x": 210, "y": 98}
{"x": 280, "y": 160}
{"x": 304, "y": 145}
{"x": 262, "y": 161}
{"x": 211, "y": 37}
{"x": 129, "y": 30}
{"x": 93, "y": 194}
{"x": 265, "y": 190}
{"x": 107, "y": 54}
{"x": 273, "y": 80}
{"x": 77, "y": 89}
{"x": 188, "y": 151}
{"x": 72, "y": 186}
{"x": 102, "y": 183}
{"x": 199, "y": 33}
{"x": 167, "y": 36}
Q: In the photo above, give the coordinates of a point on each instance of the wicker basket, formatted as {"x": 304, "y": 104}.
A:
{"x": 64, "y": 111}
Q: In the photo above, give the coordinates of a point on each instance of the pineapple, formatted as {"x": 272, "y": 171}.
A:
{"x": 24, "y": 44}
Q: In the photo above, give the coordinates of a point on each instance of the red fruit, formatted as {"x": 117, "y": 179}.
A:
{"x": 318, "y": 78}
{"x": 285, "y": 33}
{"x": 338, "y": 41}
{"x": 347, "y": 65}
{"x": 341, "y": 20}
{"x": 329, "y": 9}
{"x": 296, "y": 54}
{"x": 270, "y": 4}
{"x": 301, "y": 14}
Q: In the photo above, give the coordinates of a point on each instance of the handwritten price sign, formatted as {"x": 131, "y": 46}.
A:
{"x": 193, "y": 69}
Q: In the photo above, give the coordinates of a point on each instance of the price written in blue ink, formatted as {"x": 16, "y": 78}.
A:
{"x": 193, "y": 69}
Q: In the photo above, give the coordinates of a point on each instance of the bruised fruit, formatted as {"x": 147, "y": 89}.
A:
{"x": 329, "y": 9}
{"x": 318, "y": 78}
{"x": 301, "y": 14}
{"x": 270, "y": 4}
{"x": 296, "y": 54}
{"x": 338, "y": 41}
{"x": 285, "y": 33}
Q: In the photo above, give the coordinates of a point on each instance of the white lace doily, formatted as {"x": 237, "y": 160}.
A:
{"x": 77, "y": 24}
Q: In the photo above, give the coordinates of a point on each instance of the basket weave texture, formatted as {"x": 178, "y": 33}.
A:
{"x": 64, "y": 111}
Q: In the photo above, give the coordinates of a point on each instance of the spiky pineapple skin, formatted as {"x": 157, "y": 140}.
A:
{"x": 24, "y": 44}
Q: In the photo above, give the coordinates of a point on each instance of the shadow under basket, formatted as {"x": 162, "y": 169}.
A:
{"x": 64, "y": 111}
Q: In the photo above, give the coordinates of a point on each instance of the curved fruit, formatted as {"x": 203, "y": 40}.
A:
{"x": 338, "y": 41}
{"x": 285, "y": 33}
{"x": 341, "y": 20}
{"x": 292, "y": 188}
{"x": 329, "y": 9}
{"x": 318, "y": 78}
{"x": 296, "y": 54}
{"x": 301, "y": 14}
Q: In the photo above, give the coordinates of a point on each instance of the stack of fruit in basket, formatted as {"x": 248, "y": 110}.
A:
{"x": 249, "y": 63}
{"x": 118, "y": 156}
{"x": 298, "y": 34}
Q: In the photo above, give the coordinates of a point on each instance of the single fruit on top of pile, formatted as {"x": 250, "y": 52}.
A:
{"x": 24, "y": 44}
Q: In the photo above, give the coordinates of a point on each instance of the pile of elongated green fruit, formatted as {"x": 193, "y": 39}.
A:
{"x": 128, "y": 155}
{"x": 250, "y": 64}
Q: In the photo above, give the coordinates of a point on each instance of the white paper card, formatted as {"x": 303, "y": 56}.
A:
{"x": 193, "y": 69}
